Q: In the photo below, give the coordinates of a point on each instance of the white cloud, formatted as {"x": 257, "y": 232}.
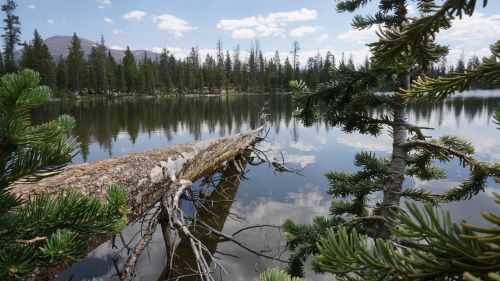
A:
{"x": 119, "y": 48}
{"x": 473, "y": 29}
{"x": 300, "y": 145}
{"x": 270, "y": 25}
{"x": 32, "y": 7}
{"x": 50, "y": 21}
{"x": 360, "y": 36}
{"x": 243, "y": 33}
{"x": 135, "y": 15}
{"x": 173, "y": 24}
{"x": 323, "y": 37}
{"x": 103, "y": 4}
{"x": 108, "y": 20}
{"x": 269, "y": 30}
{"x": 365, "y": 142}
{"x": 118, "y": 31}
{"x": 302, "y": 160}
{"x": 303, "y": 30}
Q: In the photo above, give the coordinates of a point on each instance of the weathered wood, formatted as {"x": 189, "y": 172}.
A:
{"x": 147, "y": 177}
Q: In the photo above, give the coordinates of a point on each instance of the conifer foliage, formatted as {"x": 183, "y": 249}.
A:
{"x": 434, "y": 249}
{"x": 404, "y": 51}
{"x": 43, "y": 230}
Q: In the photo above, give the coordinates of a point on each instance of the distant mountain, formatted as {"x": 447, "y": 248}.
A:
{"x": 58, "y": 45}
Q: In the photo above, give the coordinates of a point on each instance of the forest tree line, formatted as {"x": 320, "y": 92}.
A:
{"x": 98, "y": 73}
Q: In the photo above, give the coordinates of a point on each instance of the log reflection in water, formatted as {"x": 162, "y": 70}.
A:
{"x": 213, "y": 210}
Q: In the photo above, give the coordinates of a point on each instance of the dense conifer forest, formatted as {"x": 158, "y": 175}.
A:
{"x": 234, "y": 70}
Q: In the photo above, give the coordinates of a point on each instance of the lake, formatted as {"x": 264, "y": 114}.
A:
{"x": 110, "y": 128}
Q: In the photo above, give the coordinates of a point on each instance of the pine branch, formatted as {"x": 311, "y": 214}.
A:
{"x": 275, "y": 274}
{"x": 43, "y": 230}
{"x": 446, "y": 147}
{"x": 415, "y": 39}
{"x": 434, "y": 249}
{"x": 443, "y": 87}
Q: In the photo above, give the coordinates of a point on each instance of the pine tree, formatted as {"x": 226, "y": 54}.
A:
{"x": 237, "y": 69}
{"x": 111, "y": 73}
{"x": 76, "y": 64}
{"x": 287, "y": 73}
{"x": 97, "y": 62}
{"x": 163, "y": 71}
{"x": 220, "y": 80}
{"x": 228, "y": 66}
{"x": 12, "y": 31}
{"x": 43, "y": 230}
{"x": 148, "y": 76}
{"x": 130, "y": 71}
{"x": 36, "y": 56}
{"x": 62, "y": 75}
{"x": 460, "y": 64}
{"x": 405, "y": 48}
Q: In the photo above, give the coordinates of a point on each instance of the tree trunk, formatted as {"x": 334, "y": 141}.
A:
{"x": 395, "y": 177}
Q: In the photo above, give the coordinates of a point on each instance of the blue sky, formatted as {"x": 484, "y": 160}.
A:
{"x": 179, "y": 25}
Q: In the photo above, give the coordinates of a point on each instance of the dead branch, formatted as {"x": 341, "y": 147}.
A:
{"x": 129, "y": 267}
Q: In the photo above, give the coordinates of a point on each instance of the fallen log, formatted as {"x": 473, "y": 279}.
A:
{"x": 147, "y": 176}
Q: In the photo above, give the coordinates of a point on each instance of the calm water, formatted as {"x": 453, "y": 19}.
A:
{"x": 108, "y": 128}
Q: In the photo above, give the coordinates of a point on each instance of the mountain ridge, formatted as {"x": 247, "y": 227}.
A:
{"x": 58, "y": 45}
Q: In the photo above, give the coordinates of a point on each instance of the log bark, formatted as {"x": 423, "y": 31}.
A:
{"x": 146, "y": 176}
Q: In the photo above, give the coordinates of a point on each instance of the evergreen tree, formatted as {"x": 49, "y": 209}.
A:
{"x": 76, "y": 64}
{"x": 460, "y": 64}
{"x": 192, "y": 68}
{"x": 228, "y": 65}
{"x": 328, "y": 67}
{"x": 62, "y": 75}
{"x": 147, "y": 75}
{"x": 220, "y": 77}
{"x": 130, "y": 71}
{"x": 277, "y": 77}
{"x": 237, "y": 69}
{"x": 287, "y": 73}
{"x": 97, "y": 63}
{"x": 37, "y": 57}
{"x": 405, "y": 47}
{"x": 163, "y": 71}
{"x": 111, "y": 73}
{"x": 43, "y": 230}
{"x": 12, "y": 31}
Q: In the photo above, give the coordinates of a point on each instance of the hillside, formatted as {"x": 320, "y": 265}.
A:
{"x": 58, "y": 45}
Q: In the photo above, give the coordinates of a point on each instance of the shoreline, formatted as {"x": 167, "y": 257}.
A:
{"x": 95, "y": 97}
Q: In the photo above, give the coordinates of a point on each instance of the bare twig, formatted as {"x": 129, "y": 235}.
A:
{"x": 129, "y": 267}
